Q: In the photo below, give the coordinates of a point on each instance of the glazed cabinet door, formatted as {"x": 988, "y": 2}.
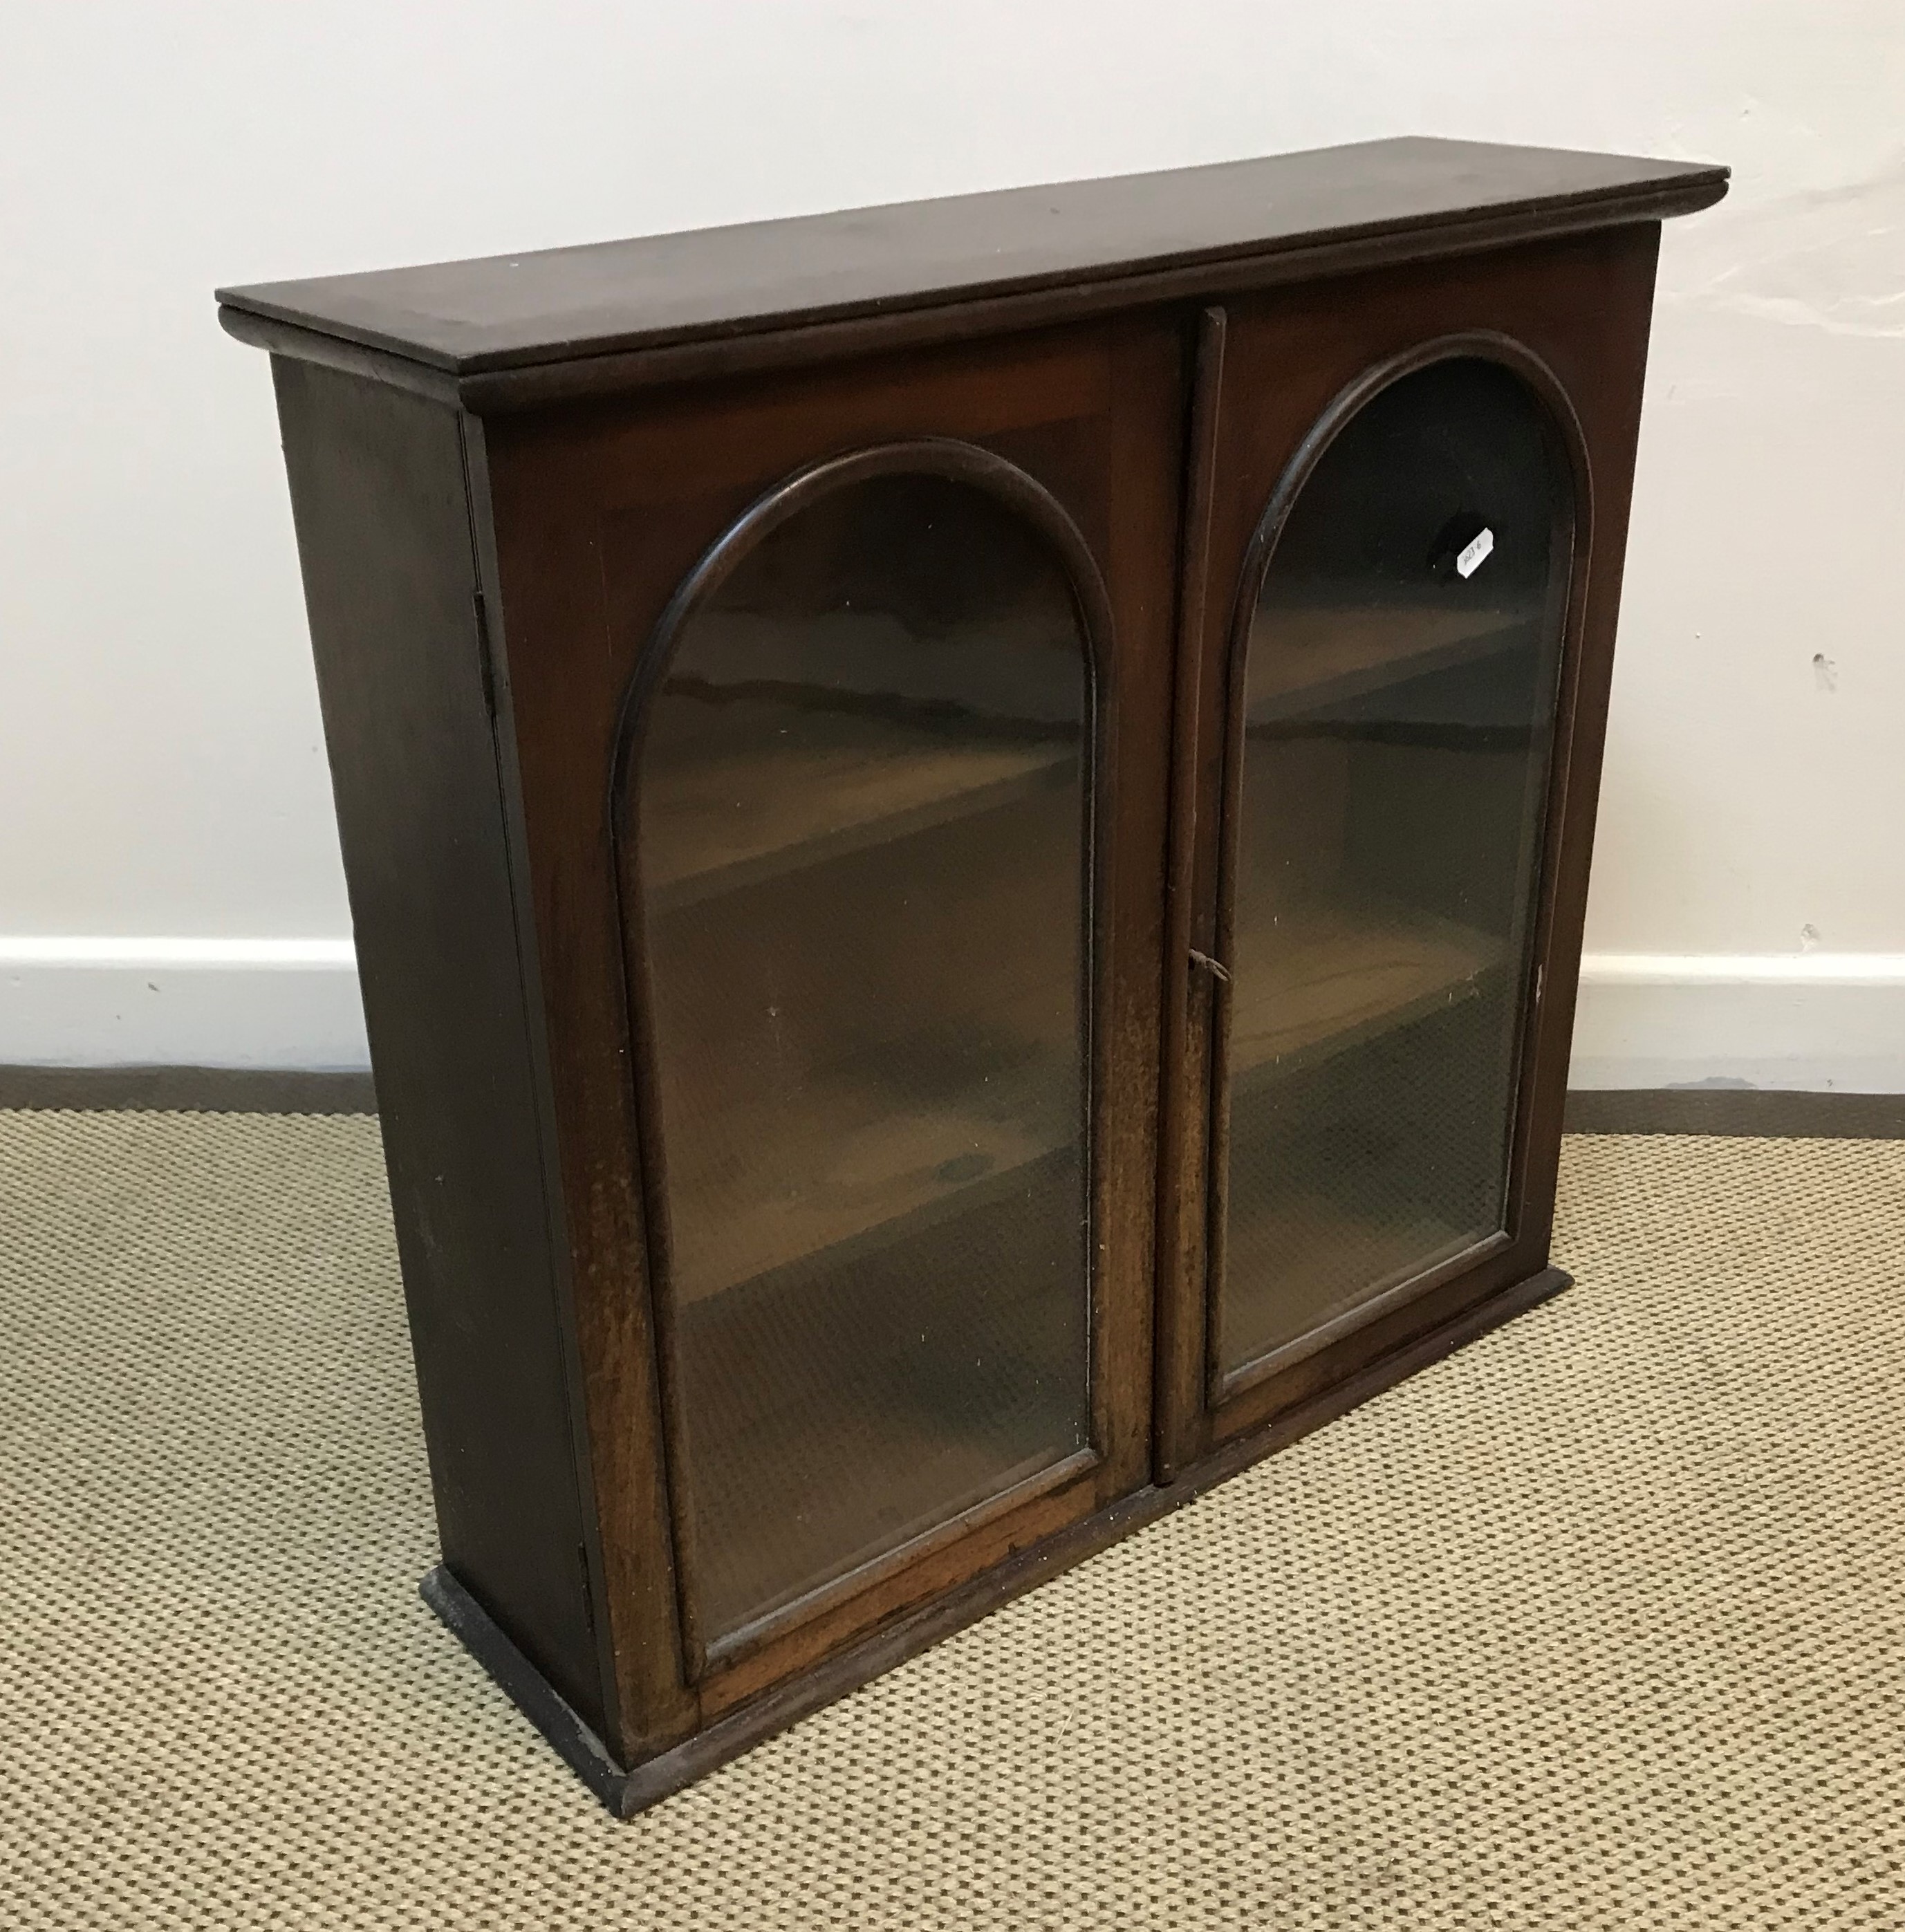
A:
{"x": 1397, "y": 502}
{"x": 859, "y": 682}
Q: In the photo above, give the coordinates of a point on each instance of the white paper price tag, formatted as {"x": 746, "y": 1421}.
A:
{"x": 1475, "y": 554}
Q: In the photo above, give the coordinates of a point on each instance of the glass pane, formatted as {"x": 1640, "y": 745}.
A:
{"x": 1399, "y": 693}
{"x": 861, "y": 819}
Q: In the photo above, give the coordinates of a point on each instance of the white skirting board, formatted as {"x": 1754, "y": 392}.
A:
{"x": 167, "y": 1002}
{"x": 1814, "y": 1022}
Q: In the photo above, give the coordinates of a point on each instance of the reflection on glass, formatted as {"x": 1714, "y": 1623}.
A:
{"x": 861, "y": 837}
{"x": 1399, "y": 701}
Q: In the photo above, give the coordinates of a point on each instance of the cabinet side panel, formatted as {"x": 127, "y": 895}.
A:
{"x": 1605, "y": 374}
{"x": 379, "y": 495}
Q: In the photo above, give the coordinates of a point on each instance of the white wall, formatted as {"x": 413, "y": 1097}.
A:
{"x": 169, "y": 886}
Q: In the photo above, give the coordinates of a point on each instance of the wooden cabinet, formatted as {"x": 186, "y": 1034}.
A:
{"x": 967, "y": 826}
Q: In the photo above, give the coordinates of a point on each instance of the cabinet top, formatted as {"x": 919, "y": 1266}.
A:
{"x": 1128, "y": 237}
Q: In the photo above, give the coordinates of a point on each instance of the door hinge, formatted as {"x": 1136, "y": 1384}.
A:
{"x": 485, "y": 662}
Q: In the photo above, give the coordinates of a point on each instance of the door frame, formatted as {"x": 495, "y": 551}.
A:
{"x": 951, "y": 459}
{"x": 601, "y": 516}
{"x": 1279, "y": 374}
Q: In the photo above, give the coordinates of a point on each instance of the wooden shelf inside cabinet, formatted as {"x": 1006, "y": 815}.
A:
{"x": 1316, "y": 656}
{"x": 845, "y": 1164}
{"x": 861, "y": 1423}
{"x": 1314, "y": 979}
{"x": 844, "y": 781}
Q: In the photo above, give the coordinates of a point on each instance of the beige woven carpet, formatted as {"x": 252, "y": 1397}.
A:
{"x": 1600, "y": 1623}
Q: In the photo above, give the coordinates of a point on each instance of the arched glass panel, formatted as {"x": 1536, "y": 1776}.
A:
{"x": 861, "y": 832}
{"x": 1400, "y": 700}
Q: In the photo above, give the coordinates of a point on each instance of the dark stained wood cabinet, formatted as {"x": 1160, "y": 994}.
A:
{"x": 967, "y": 826}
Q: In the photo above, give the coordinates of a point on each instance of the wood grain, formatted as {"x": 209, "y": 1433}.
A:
{"x": 506, "y": 311}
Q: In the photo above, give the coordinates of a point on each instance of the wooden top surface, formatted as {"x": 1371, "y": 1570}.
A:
{"x": 507, "y": 311}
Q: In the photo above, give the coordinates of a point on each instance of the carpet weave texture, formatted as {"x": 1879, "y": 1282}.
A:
{"x": 1600, "y": 1624}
